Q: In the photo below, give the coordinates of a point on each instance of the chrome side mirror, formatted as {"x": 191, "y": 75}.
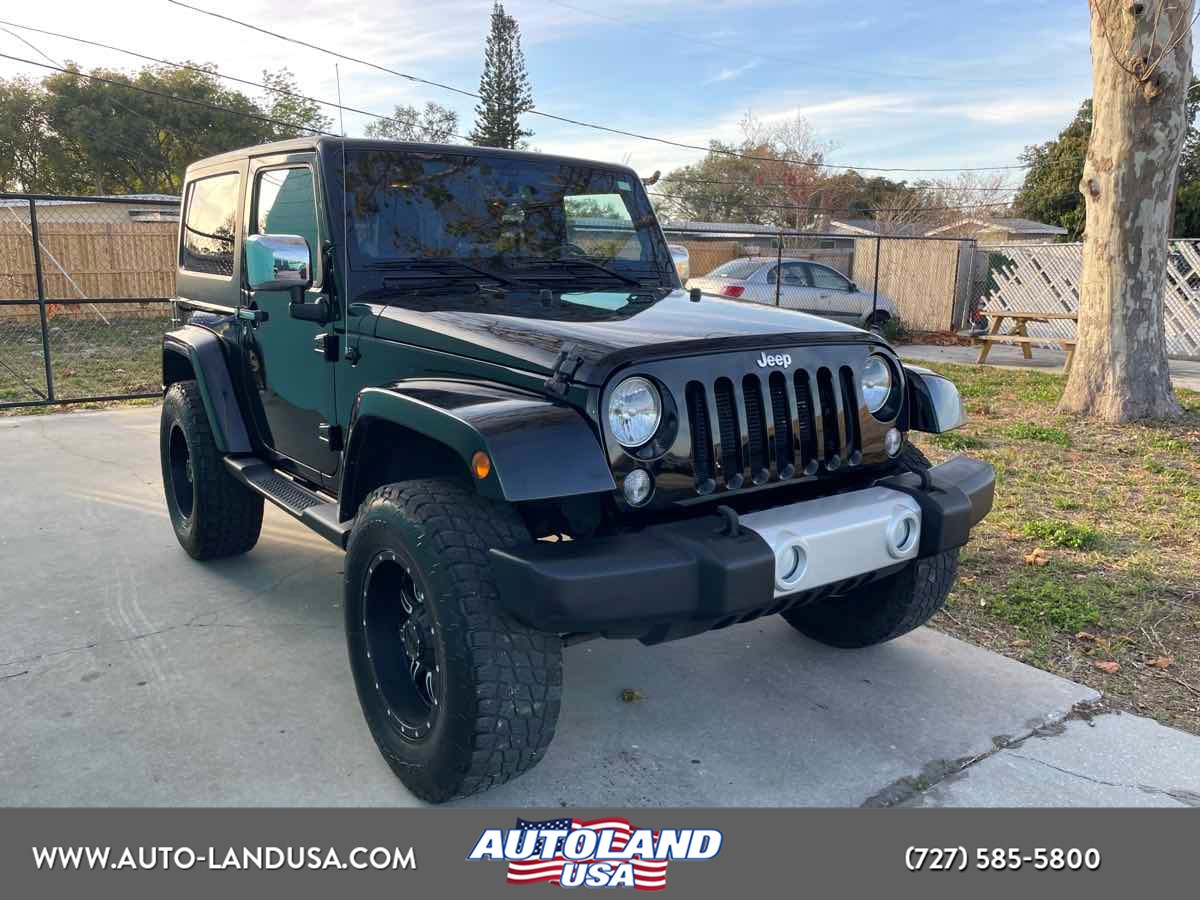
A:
{"x": 278, "y": 262}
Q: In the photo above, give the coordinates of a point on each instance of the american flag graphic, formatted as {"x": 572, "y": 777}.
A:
{"x": 648, "y": 874}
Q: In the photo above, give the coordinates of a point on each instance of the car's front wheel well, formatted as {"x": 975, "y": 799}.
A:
{"x": 385, "y": 452}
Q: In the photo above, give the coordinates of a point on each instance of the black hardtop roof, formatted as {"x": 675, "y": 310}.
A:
{"x": 296, "y": 145}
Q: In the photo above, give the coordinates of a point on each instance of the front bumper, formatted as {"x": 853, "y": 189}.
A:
{"x": 681, "y": 578}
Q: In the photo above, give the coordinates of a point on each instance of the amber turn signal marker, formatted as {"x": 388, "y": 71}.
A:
{"x": 481, "y": 465}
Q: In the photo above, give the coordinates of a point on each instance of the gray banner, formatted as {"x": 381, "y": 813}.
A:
{"x": 764, "y": 853}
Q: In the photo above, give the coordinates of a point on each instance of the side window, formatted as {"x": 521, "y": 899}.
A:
{"x": 794, "y": 274}
{"x": 285, "y": 203}
{"x": 209, "y": 225}
{"x": 828, "y": 279}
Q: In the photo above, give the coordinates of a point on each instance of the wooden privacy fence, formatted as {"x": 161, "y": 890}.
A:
{"x": 82, "y": 260}
{"x": 1045, "y": 278}
{"x": 928, "y": 280}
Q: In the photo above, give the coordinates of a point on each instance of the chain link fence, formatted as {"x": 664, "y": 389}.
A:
{"x": 85, "y": 288}
{"x": 922, "y": 284}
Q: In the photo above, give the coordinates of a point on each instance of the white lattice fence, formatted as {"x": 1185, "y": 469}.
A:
{"x": 1045, "y": 278}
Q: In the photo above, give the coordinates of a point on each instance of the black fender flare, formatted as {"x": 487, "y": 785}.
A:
{"x": 539, "y": 449}
{"x": 203, "y": 352}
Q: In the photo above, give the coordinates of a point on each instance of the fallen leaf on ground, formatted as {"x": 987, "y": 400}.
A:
{"x": 1038, "y": 557}
{"x": 1019, "y": 642}
{"x": 1160, "y": 662}
{"x": 1107, "y": 666}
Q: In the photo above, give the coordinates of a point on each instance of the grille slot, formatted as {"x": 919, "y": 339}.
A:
{"x": 756, "y": 425}
{"x": 806, "y": 429}
{"x": 727, "y": 427}
{"x": 782, "y": 414}
{"x": 853, "y": 445}
{"x": 702, "y": 448}
{"x": 829, "y": 418}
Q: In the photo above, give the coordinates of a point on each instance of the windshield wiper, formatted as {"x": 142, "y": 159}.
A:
{"x": 594, "y": 266}
{"x": 450, "y": 268}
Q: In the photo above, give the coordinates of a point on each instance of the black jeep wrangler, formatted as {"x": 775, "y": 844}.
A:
{"x": 476, "y": 371}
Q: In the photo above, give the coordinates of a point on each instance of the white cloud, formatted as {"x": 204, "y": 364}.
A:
{"x": 731, "y": 74}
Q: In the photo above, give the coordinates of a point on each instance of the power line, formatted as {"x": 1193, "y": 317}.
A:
{"x": 201, "y": 69}
{"x": 189, "y": 100}
{"x": 861, "y": 209}
{"x": 687, "y": 179}
{"x": 578, "y": 122}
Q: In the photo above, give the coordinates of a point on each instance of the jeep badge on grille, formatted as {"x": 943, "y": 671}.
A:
{"x": 783, "y": 360}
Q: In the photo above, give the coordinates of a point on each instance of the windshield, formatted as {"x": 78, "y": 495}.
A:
{"x": 499, "y": 212}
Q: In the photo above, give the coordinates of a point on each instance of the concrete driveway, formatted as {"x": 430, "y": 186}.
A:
{"x": 131, "y": 675}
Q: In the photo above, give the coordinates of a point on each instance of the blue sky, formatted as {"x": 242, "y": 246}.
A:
{"x": 937, "y": 84}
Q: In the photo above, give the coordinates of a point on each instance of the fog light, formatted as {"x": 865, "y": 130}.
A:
{"x": 637, "y": 487}
{"x": 892, "y": 441}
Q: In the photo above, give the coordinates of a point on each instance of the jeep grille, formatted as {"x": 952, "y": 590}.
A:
{"x": 779, "y": 425}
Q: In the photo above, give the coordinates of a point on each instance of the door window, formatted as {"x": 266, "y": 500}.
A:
{"x": 209, "y": 225}
{"x": 793, "y": 274}
{"x": 828, "y": 279}
{"x": 285, "y": 203}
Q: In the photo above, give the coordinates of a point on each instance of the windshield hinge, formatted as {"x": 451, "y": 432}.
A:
{"x": 564, "y": 370}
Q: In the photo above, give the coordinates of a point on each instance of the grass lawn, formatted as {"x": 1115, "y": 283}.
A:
{"x": 90, "y": 359}
{"x": 1089, "y": 564}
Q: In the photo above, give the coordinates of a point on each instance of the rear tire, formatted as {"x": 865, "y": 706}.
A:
{"x": 458, "y": 696}
{"x": 213, "y": 514}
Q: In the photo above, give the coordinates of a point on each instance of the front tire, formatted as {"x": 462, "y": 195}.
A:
{"x": 213, "y": 514}
{"x": 880, "y": 610}
{"x": 458, "y": 696}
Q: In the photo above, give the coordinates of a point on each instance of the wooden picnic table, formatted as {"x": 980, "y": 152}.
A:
{"x": 1020, "y": 335}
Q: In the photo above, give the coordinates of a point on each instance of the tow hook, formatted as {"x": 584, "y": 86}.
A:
{"x": 731, "y": 526}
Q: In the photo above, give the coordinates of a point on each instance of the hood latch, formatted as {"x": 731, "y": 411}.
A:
{"x": 568, "y": 363}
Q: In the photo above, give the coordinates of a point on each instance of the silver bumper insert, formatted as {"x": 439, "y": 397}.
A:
{"x": 817, "y": 542}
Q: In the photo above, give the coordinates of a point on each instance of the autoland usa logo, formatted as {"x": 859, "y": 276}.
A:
{"x": 599, "y": 853}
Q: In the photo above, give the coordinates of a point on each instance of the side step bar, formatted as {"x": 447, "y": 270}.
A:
{"x": 315, "y": 511}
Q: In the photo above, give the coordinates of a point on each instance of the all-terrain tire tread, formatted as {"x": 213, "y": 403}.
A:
{"x": 227, "y": 514}
{"x": 517, "y": 670}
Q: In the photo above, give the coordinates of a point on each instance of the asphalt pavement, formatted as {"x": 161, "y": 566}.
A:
{"x": 131, "y": 675}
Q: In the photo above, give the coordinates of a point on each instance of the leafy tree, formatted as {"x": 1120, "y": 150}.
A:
{"x": 727, "y": 186}
{"x": 1050, "y": 192}
{"x": 26, "y": 160}
{"x": 435, "y": 124}
{"x": 504, "y": 86}
{"x": 71, "y": 134}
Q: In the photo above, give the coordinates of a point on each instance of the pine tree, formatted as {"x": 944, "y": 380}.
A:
{"x": 504, "y": 89}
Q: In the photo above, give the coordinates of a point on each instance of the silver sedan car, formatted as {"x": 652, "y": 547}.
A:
{"x": 798, "y": 284}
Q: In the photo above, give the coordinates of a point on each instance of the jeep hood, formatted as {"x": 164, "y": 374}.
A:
{"x": 604, "y": 329}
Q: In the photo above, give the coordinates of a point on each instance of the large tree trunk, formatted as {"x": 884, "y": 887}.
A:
{"x": 1120, "y": 370}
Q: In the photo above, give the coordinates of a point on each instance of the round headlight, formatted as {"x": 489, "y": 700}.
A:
{"x": 876, "y": 382}
{"x": 634, "y": 411}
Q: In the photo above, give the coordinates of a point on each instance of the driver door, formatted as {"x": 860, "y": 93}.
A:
{"x": 284, "y": 355}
